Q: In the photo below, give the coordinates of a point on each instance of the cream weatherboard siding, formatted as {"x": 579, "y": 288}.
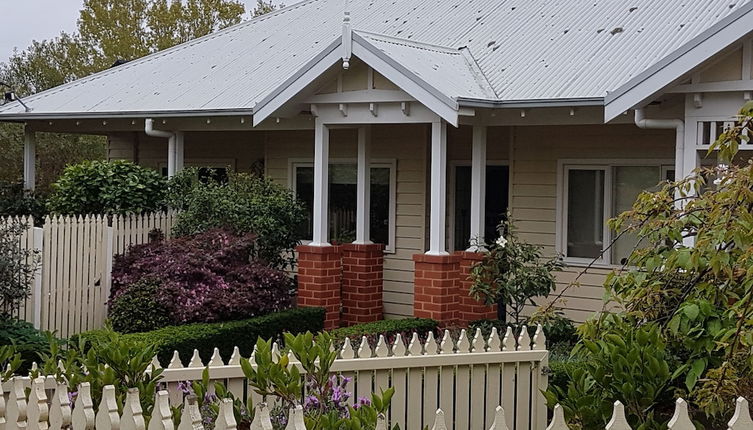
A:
{"x": 536, "y": 151}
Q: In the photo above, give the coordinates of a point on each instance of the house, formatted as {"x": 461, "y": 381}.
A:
{"x": 409, "y": 126}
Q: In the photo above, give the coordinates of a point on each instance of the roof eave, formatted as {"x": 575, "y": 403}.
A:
{"x": 31, "y": 116}
{"x": 533, "y": 103}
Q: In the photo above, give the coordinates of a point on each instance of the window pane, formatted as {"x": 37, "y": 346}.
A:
{"x": 628, "y": 183}
{"x": 342, "y": 202}
{"x": 497, "y": 189}
{"x": 585, "y": 214}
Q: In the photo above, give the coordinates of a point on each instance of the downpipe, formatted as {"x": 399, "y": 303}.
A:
{"x": 172, "y": 149}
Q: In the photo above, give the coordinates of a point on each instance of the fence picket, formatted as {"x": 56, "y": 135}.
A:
{"x": 500, "y": 423}
{"x": 83, "y": 411}
{"x": 558, "y": 420}
{"x": 191, "y": 417}
{"x": 618, "y": 421}
{"x": 439, "y": 421}
{"x": 107, "y": 417}
{"x": 741, "y": 420}
{"x": 162, "y": 418}
{"x": 16, "y": 408}
{"x": 295, "y": 419}
{"x": 60, "y": 408}
{"x": 681, "y": 418}
{"x": 133, "y": 418}
{"x": 37, "y": 412}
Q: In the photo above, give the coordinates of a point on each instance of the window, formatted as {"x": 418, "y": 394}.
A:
{"x": 342, "y": 201}
{"x": 496, "y": 200}
{"x": 595, "y": 193}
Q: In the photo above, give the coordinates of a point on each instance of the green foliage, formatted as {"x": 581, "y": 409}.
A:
{"x": 10, "y": 361}
{"x": 513, "y": 272}
{"x": 17, "y": 267}
{"x": 14, "y": 201}
{"x": 245, "y": 204}
{"x": 204, "y": 337}
{"x": 107, "y": 187}
{"x": 388, "y": 328}
{"x": 28, "y": 342}
{"x": 624, "y": 363}
{"x": 139, "y": 310}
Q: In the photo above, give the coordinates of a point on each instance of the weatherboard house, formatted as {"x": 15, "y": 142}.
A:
{"x": 410, "y": 126}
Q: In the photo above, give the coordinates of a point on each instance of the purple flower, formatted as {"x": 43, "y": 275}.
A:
{"x": 362, "y": 401}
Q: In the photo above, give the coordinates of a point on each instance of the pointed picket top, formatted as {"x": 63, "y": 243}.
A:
{"x": 261, "y": 420}
{"x": 447, "y": 346}
{"x": 539, "y": 339}
{"x": 398, "y": 347}
{"x": 295, "y": 419}
{"x": 34, "y": 366}
{"x": 82, "y": 417}
{"x": 524, "y": 339}
{"x": 381, "y": 422}
{"x": 439, "y": 421}
{"x": 478, "y": 345}
{"x": 500, "y": 422}
{"x": 558, "y": 419}
{"x": 162, "y": 417}
{"x": 431, "y": 344}
{"x": 235, "y": 358}
{"x": 346, "y": 351}
{"x": 107, "y": 417}
{"x": 464, "y": 346}
{"x": 175, "y": 362}
{"x": 382, "y": 350}
{"x": 741, "y": 420}
{"x": 364, "y": 350}
{"x": 195, "y": 359}
{"x": 414, "y": 346}
{"x": 292, "y": 359}
{"x": 252, "y": 359}
{"x": 508, "y": 341}
{"x": 681, "y": 419}
{"x": 133, "y": 418}
{"x": 155, "y": 363}
{"x": 61, "y": 365}
{"x": 225, "y": 417}
{"x": 60, "y": 408}
{"x": 494, "y": 344}
{"x": 15, "y": 415}
{"x": 190, "y": 419}
{"x": 618, "y": 421}
{"x": 216, "y": 359}
{"x": 37, "y": 412}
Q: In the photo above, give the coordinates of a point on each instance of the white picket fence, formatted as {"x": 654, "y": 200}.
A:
{"x": 72, "y": 285}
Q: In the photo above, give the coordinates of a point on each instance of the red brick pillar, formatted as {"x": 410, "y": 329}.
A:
{"x": 471, "y": 309}
{"x": 319, "y": 280}
{"x": 435, "y": 293}
{"x": 363, "y": 280}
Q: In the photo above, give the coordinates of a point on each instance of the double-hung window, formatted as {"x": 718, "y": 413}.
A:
{"x": 342, "y": 200}
{"x": 592, "y": 194}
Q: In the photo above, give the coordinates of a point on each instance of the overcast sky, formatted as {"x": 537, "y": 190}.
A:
{"x": 26, "y": 20}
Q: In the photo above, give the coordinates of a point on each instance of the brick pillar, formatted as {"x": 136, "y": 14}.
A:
{"x": 435, "y": 292}
{"x": 319, "y": 280}
{"x": 471, "y": 309}
{"x": 363, "y": 279}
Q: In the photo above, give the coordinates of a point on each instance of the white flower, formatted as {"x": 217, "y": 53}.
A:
{"x": 501, "y": 242}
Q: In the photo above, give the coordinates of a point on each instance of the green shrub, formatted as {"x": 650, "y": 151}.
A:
{"x": 14, "y": 201}
{"x": 17, "y": 267}
{"x": 29, "y": 342}
{"x": 139, "y": 310}
{"x": 107, "y": 187}
{"x": 388, "y": 328}
{"x": 206, "y": 336}
{"x": 244, "y": 204}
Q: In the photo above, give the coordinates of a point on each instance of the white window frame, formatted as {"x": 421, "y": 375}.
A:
{"x": 607, "y": 165}
{"x": 383, "y": 163}
{"x": 454, "y": 164}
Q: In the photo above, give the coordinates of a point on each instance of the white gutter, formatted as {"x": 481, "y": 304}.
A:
{"x": 667, "y": 124}
{"x": 174, "y": 146}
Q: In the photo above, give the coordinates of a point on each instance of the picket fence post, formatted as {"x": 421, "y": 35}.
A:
{"x": 16, "y": 408}
{"x": 36, "y": 290}
{"x": 191, "y": 417}
{"x": 108, "y": 254}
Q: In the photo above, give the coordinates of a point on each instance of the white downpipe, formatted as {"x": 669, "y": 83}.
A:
{"x": 172, "y": 146}
{"x": 667, "y": 124}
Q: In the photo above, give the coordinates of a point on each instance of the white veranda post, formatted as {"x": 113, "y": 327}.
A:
{"x": 438, "y": 188}
{"x": 478, "y": 188}
{"x": 30, "y": 155}
{"x": 179, "y": 150}
{"x": 321, "y": 185}
{"x": 363, "y": 192}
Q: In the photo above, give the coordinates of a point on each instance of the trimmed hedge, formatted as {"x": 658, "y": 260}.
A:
{"x": 226, "y": 335}
{"x": 389, "y": 328}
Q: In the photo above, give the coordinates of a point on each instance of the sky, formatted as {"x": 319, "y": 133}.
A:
{"x": 26, "y": 20}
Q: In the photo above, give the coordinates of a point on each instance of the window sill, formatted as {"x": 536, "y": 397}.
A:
{"x": 581, "y": 264}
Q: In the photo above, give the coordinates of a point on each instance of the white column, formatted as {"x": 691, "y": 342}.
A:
{"x": 363, "y": 187}
{"x": 321, "y": 185}
{"x": 478, "y": 189}
{"x": 179, "y": 150}
{"x": 171, "y": 156}
{"x": 438, "y": 188}
{"x": 30, "y": 158}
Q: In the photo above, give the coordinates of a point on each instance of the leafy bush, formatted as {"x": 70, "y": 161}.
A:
{"x": 202, "y": 278}
{"x": 27, "y": 341}
{"x": 14, "y": 201}
{"x": 513, "y": 272}
{"x": 389, "y": 328}
{"x": 225, "y": 336}
{"x": 107, "y": 187}
{"x": 244, "y": 204}
{"x": 138, "y": 310}
{"x": 17, "y": 267}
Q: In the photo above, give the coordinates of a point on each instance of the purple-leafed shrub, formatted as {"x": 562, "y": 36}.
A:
{"x": 202, "y": 278}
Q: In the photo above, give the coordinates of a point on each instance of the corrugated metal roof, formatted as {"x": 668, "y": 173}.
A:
{"x": 525, "y": 49}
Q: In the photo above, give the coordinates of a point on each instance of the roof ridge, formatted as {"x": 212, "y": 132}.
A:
{"x": 155, "y": 55}
{"x": 415, "y": 43}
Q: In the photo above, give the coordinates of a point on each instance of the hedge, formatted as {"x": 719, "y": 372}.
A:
{"x": 389, "y": 328}
{"x": 225, "y": 336}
